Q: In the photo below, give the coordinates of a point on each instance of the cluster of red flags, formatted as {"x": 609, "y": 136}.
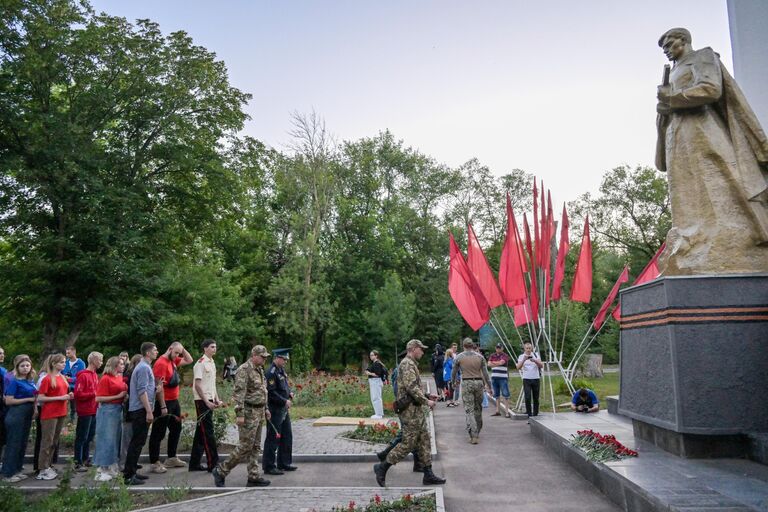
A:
{"x": 475, "y": 291}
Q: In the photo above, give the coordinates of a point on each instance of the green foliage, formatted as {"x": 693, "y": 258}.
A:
{"x": 561, "y": 388}
{"x": 376, "y": 433}
{"x": 11, "y": 498}
{"x": 106, "y": 497}
{"x": 408, "y": 503}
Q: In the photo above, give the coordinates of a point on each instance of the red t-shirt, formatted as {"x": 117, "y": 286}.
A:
{"x": 163, "y": 369}
{"x": 111, "y": 385}
{"x": 58, "y": 408}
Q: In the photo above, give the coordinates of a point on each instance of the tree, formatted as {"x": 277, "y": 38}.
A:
{"x": 389, "y": 321}
{"x": 111, "y": 159}
{"x": 630, "y": 215}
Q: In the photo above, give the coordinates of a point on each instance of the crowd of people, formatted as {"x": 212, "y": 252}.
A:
{"x": 118, "y": 405}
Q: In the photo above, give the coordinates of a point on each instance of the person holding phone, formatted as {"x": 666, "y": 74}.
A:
{"x": 531, "y": 366}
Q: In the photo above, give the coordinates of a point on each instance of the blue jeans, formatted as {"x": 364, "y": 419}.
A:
{"x": 84, "y": 433}
{"x": 500, "y": 387}
{"x": 109, "y": 430}
{"x": 18, "y": 421}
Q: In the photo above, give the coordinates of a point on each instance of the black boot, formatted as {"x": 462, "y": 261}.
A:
{"x": 382, "y": 455}
{"x": 381, "y": 472}
{"x": 430, "y": 478}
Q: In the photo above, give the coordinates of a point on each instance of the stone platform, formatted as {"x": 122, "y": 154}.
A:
{"x": 656, "y": 479}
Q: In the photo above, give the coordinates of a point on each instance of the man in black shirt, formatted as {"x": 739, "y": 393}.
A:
{"x": 278, "y": 446}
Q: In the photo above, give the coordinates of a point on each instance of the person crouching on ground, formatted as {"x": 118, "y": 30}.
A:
{"x": 585, "y": 400}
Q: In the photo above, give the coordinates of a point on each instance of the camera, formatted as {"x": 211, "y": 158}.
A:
{"x": 530, "y": 357}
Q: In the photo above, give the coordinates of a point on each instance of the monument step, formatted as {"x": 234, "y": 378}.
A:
{"x": 655, "y": 480}
{"x": 613, "y": 404}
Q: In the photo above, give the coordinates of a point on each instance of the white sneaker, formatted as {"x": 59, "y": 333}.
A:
{"x": 47, "y": 474}
{"x": 158, "y": 467}
{"x": 12, "y": 479}
{"x": 114, "y": 469}
{"x": 21, "y": 476}
{"x": 174, "y": 462}
{"x": 377, "y": 417}
{"x": 103, "y": 476}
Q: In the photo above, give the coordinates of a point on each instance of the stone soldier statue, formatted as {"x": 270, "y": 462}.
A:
{"x": 716, "y": 156}
{"x": 278, "y": 445}
{"x": 250, "y": 397}
{"x": 410, "y": 403}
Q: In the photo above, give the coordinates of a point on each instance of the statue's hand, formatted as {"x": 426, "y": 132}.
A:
{"x": 663, "y": 93}
{"x": 663, "y": 109}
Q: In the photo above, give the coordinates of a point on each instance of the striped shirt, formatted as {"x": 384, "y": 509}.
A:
{"x": 499, "y": 372}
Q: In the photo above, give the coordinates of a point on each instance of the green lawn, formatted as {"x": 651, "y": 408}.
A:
{"x": 603, "y": 387}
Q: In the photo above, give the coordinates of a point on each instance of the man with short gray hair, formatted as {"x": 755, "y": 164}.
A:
{"x": 474, "y": 376}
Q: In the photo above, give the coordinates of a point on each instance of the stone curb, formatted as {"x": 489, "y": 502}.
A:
{"x": 437, "y": 491}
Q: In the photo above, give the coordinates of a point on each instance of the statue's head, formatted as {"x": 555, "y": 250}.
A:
{"x": 675, "y": 42}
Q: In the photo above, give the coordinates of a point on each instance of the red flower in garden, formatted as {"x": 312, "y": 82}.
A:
{"x": 352, "y": 506}
{"x": 377, "y": 499}
{"x": 407, "y": 498}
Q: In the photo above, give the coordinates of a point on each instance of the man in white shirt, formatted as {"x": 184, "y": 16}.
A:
{"x": 531, "y": 365}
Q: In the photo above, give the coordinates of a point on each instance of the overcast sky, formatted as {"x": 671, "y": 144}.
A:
{"x": 562, "y": 89}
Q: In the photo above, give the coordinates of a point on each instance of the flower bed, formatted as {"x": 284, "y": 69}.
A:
{"x": 378, "y": 433}
{"x": 407, "y": 503}
{"x": 601, "y": 448}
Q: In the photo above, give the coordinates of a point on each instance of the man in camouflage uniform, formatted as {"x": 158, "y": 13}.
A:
{"x": 250, "y": 397}
{"x": 413, "y": 421}
{"x": 474, "y": 376}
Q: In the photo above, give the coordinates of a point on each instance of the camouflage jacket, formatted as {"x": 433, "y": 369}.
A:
{"x": 409, "y": 382}
{"x": 250, "y": 387}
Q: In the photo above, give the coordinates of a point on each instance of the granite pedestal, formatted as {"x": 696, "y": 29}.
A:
{"x": 694, "y": 362}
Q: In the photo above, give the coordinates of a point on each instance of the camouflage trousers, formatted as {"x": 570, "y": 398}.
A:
{"x": 415, "y": 437}
{"x": 472, "y": 394}
{"x": 249, "y": 447}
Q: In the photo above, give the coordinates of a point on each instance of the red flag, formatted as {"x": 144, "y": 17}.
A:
{"x": 522, "y": 313}
{"x": 600, "y": 318}
{"x": 550, "y": 232}
{"x": 581, "y": 291}
{"x": 651, "y": 270}
{"x": 536, "y": 239}
{"x": 534, "y": 288}
{"x": 512, "y": 265}
{"x": 649, "y": 273}
{"x": 465, "y": 291}
{"x": 478, "y": 265}
{"x": 562, "y": 252}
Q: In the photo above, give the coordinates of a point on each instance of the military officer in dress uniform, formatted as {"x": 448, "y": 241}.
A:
{"x": 278, "y": 446}
{"x": 411, "y": 401}
{"x": 250, "y": 398}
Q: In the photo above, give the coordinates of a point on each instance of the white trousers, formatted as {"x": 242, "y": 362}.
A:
{"x": 376, "y": 386}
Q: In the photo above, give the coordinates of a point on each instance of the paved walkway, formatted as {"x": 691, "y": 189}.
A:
{"x": 508, "y": 469}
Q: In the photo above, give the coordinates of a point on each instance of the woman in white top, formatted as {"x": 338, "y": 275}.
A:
{"x": 531, "y": 365}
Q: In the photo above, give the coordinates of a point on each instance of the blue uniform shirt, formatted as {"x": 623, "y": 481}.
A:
{"x": 277, "y": 386}
{"x": 590, "y": 401}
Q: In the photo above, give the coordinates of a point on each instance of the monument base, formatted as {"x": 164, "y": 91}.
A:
{"x": 693, "y": 362}
{"x": 692, "y": 446}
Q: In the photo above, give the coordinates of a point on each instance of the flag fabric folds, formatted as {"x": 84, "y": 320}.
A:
{"x": 534, "y": 297}
{"x": 581, "y": 291}
{"x": 512, "y": 265}
{"x": 562, "y": 252}
{"x": 478, "y": 265}
{"x": 522, "y": 313}
{"x": 465, "y": 291}
{"x": 600, "y": 318}
{"x": 649, "y": 273}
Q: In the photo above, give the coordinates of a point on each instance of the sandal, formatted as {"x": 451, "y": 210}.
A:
{"x": 496, "y": 414}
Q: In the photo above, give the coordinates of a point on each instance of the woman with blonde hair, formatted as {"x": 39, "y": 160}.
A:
{"x": 54, "y": 394}
{"x": 109, "y": 394}
{"x": 20, "y": 396}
